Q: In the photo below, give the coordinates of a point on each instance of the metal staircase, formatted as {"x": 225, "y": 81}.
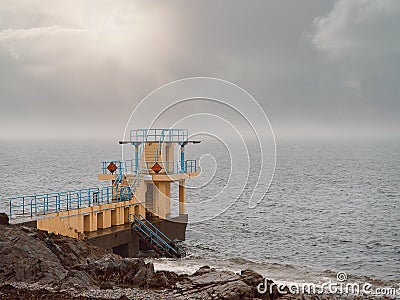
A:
{"x": 155, "y": 239}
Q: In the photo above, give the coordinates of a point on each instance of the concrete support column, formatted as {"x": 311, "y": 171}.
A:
{"x": 162, "y": 199}
{"x": 182, "y": 204}
{"x": 167, "y": 199}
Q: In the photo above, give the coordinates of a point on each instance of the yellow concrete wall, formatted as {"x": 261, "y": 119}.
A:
{"x": 168, "y": 155}
{"x": 162, "y": 199}
{"x": 75, "y": 222}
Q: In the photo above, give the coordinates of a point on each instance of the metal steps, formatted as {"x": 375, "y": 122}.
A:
{"x": 157, "y": 240}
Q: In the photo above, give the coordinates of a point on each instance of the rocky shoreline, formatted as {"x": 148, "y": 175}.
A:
{"x": 38, "y": 265}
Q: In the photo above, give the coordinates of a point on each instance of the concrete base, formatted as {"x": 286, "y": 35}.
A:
{"x": 123, "y": 241}
{"x": 174, "y": 228}
{"x": 119, "y": 239}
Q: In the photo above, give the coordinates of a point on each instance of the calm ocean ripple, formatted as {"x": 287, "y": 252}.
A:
{"x": 333, "y": 206}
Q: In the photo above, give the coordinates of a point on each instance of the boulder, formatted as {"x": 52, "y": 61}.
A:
{"x": 106, "y": 286}
{"x": 234, "y": 290}
{"x": 214, "y": 277}
{"x": 251, "y": 278}
{"x": 202, "y": 270}
{"x": 4, "y": 220}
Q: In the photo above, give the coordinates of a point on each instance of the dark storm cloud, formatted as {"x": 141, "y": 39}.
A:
{"x": 317, "y": 67}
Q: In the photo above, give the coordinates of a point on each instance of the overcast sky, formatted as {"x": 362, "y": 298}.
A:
{"x": 318, "y": 68}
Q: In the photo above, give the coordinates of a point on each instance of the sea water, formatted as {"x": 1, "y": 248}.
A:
{"x": 332, "y": 205}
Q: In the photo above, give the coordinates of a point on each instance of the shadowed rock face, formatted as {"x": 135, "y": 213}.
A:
{"x": 30, "y": 255}
{"x": 4, "y": 219}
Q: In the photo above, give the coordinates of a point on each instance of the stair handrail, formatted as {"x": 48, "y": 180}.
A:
{"x": 154, "y": 238}
{"x": 159, "y": 233}
{"x": 156, "y": 233}
{"x": 150, "y": 235}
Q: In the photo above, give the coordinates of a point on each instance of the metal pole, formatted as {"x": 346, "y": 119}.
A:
{"x": 136, "y": 158}
{"x": 183, "y": 158}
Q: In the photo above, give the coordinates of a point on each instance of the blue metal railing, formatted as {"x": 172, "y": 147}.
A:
{"x": 169, "y": 167}
{"x": 121, "y": 166}
{"x": 157, "y": 237}
{"x": 124, "y": 166}
{"x": 159, "y": 135}
{"x": 64, "y": 201}
{"x": 189, "y": 165}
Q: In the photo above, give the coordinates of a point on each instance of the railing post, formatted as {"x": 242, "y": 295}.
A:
{"x": 136, "y": 157}
{"x": 47, "y": 202}
{"x": 10, "y": 208}
{"x": 182, "y": 158}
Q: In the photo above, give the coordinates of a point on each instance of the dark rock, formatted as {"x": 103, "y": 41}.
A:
{"x": 163, "y": 279}
{"x": 4, "y": 220}
{"x": 31, "y": 255}
{"x": 78, "y": 279}
{"x": 234, "y": 290}
{"x": 106, "y": 286}
{"x": 251, "y": 278}
{"x": 213, "y": 276}
{"x": 202, "y": 270}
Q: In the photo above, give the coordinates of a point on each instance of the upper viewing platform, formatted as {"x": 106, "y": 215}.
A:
{"x": 154, "y": 154}
{"x": 162, "y": 135}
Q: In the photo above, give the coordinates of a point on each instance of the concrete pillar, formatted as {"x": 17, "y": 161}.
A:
{"x": 182, "y": 208}
{"x": 167, "y": 199}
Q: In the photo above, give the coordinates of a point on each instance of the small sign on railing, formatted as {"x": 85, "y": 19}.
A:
{"x": 112, "y": 167}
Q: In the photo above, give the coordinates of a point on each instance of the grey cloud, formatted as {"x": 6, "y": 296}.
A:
{"x": 359, "y": 28}
{"x": 66, "y": 67}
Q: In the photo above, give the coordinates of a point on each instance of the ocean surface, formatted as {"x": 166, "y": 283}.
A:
{"x": 332, "y": 206}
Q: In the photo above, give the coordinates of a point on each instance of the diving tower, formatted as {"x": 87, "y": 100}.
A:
{"x": 132, "y": 212}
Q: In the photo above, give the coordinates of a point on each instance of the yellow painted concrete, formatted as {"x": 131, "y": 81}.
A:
{"x": 173, "y": 177}
{"x": 182, "y": 196}
{"x": 75, "y": 222}
{"x": 162, "y": 198}
{"x": 106, "y": 176}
